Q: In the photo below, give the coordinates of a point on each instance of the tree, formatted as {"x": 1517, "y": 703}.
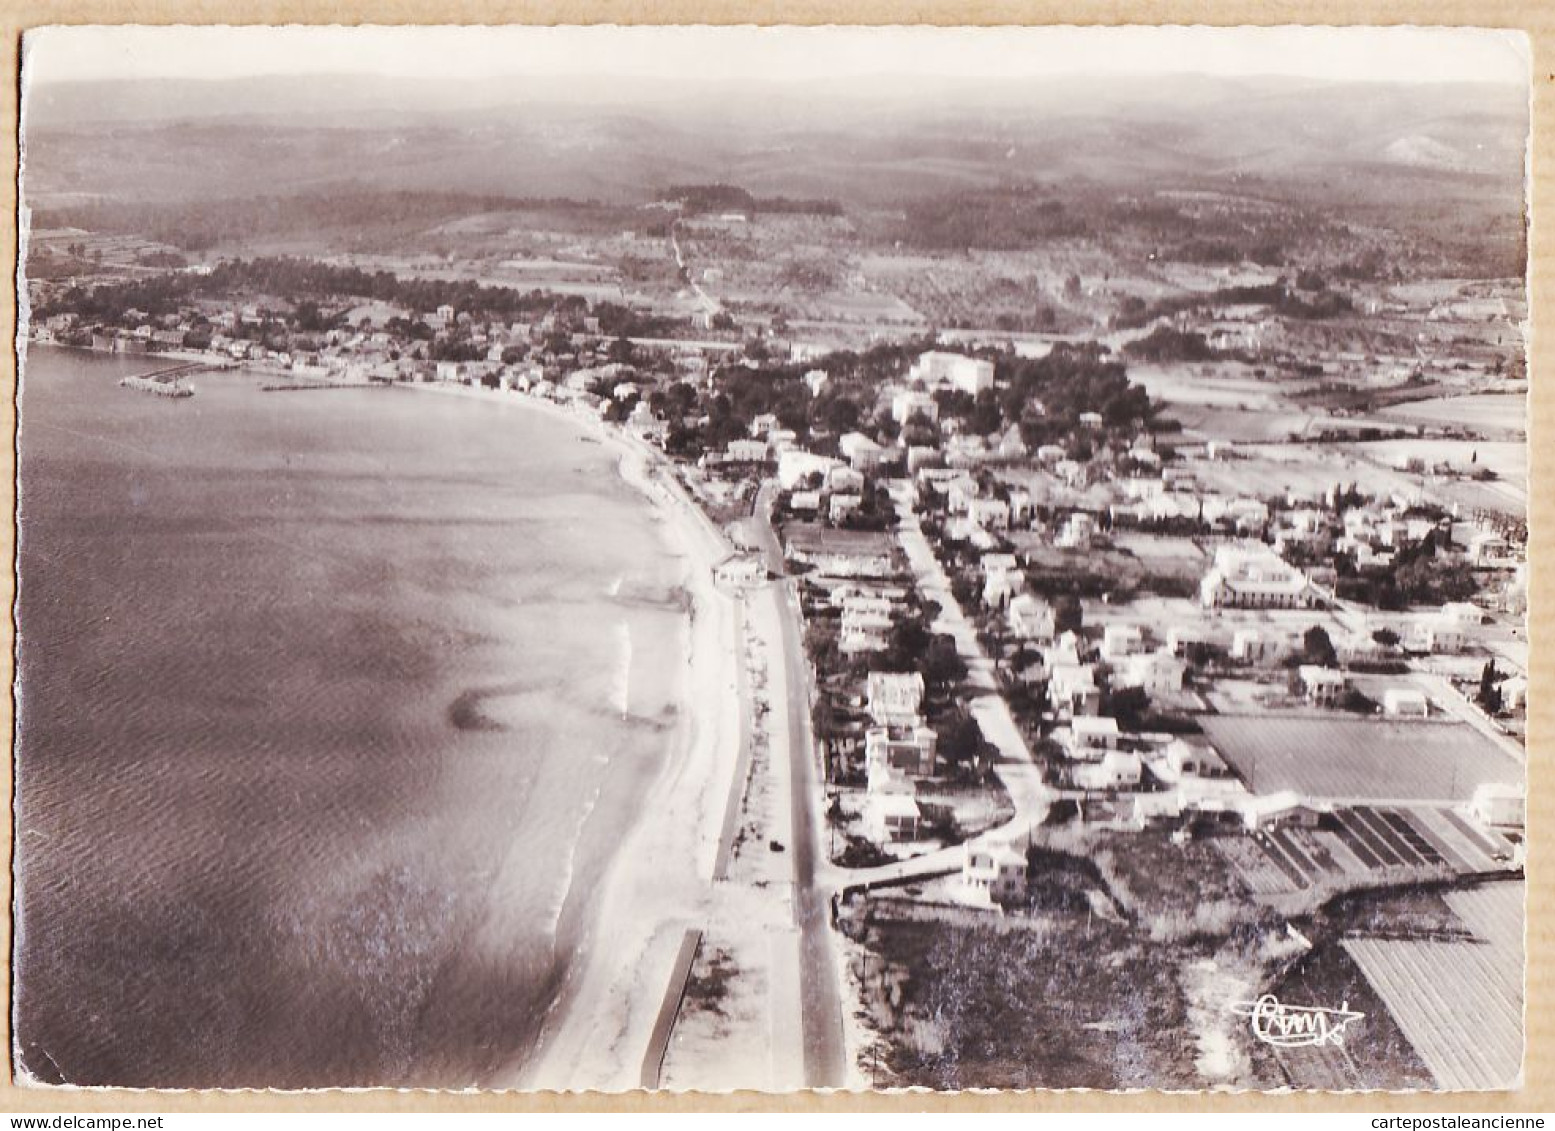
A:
{"x": 907, "y": 645}
{"x": 823, "y": 719}
{"x": 1198, "y": 653}
{"x": 1357, "y": 702}
{"x": 1386, "y": 637}
{"x": 964, "y": 589}
{"x": 1128, "y": 705}
{"x": 961, "y": 740}
{"x": 1068, "y": 614}
{"x": 943, "y": 666}
{"x": 1489, "y": 696}
{"x": 1317, "y": 648}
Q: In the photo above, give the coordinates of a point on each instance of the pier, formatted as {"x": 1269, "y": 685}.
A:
{"x": 166, "y": 382}
{"x": 301, "y": 386}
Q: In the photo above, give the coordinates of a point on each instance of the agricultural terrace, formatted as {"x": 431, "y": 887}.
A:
{"x": 1422, "y": 981}
{"x": 1359, "y": 759}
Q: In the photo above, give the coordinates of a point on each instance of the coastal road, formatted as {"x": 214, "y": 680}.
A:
{"x": 821, "y": 1003}
{"x": 825, "y": 1057}
{"x": 763, "y": 536}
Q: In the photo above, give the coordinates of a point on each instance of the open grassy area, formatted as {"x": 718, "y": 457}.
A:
{"x": 1069, "y": 993}
{"x": 1175, "y": 890}
{"x": 1091, "y": 1005}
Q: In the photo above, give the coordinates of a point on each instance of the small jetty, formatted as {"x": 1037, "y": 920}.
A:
{"x": 305, "y": 386}
{"x": 164, "y": 382}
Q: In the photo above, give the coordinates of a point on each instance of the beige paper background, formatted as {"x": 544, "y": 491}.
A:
{"x": 1536, "y": 17}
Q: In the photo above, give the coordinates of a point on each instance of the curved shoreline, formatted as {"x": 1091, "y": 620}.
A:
{"x": 597, "y": 1024}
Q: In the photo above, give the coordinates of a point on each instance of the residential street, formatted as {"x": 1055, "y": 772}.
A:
{"x": 1015, "y": 768}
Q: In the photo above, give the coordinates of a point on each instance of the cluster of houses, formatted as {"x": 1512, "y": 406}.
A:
{"x": 989, "y": 488}
{"x": 825, "y": 487}
{"x": 1125, "y": 777}
{"x": 560, "y": 355}
{"x": 899, "y": 750}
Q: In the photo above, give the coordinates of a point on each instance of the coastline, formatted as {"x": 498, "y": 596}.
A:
{"x": 658, "y": 881}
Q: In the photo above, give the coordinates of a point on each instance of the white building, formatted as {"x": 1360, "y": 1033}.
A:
{"x": 1000, "y": 586}
{"x": 866, "y": 624}
{"x": 900, "y": 750}
{"x": 938, "y": 369}
{"x": 1514, "y": 693}
{"x": 994, "y": 872}
{"x": 1264, "y": 811}
{"x": 841, "y": 505}
{"x": 1498, "y": 805}
{"x": 1120, "y": 640}
{"x": 861, "y": 452}
{"x": 989, "y": 514}
{"x": 1323, "y": 687}
{"x": 1051, "y": 453}
{"x": 1253, "y": 647}
{"x": 1078, "y": 531}
{"x": 805, "y": 502}
{"x": 907, "y": 404}
{"x": 1439, "y": 637}
{"x": 1180, "y": 636}
{"x": 893, "y": 817}
{"x": 845, "y": 480}
{"x": 1252, "y": 576}
{"x": 740, "y": 571}
{"x": 895, "y": 698}
{"x": 1089, "y": 735}
{"x": 1193, "y": 757}
{"x": 1487, "y": 548}
{"x": 1031, "y": 618}
{"x": 1463, "y": 614}
{"x": 1159, "y": 673}
{"x": 1115, "y": 770}
{"x": 795, "y": 465}
{"x": 746, "y": 451}
{"x": 1072, "y": 688}
{"x": 1405, "y": 702}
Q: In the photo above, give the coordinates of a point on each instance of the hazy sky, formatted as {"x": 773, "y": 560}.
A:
{"x": 799, "y": 54}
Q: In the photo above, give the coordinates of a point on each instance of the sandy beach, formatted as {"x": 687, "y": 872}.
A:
{"x": 661, "y": 881}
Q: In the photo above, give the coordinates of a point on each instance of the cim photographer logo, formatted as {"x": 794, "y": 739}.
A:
{"x": 1295, "y": 1026}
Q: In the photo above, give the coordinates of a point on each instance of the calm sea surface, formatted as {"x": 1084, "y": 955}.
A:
{"x": 333, "y": 707}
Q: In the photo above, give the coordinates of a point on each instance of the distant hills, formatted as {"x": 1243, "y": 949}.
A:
{"x": 864, "y": 143}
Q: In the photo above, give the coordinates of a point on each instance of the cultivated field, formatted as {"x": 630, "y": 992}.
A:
{"x": 1306, "y": 469}
{"x": 1509, "y": 461}
{"x": 1485, "y": 412}
{"x": 1424, "y": 982}
{"x": 1344, "y": 758}
{"x": 1207, "y": 384}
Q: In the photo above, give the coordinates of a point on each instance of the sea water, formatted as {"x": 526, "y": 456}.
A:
{"x": 332, "y": 708}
